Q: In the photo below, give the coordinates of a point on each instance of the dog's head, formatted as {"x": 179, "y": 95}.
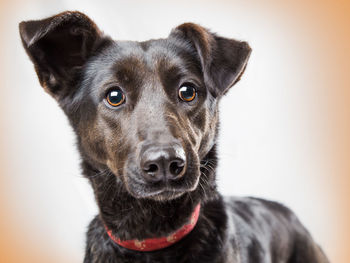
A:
{"x": 145, "y": 111}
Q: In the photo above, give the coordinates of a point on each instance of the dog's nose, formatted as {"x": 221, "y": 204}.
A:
{"x": 162, "y": 163}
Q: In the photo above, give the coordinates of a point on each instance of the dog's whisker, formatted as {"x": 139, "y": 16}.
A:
{"x": 103, "y": 172}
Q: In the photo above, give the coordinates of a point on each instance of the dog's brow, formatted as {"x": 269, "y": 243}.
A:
{"x": 130, "y": 70}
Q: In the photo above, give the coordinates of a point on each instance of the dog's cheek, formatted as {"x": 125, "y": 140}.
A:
{"x": 194, "y": 164}
{"x": 118, "y": 152}
{"x": 93, "y": 141}
{"x": 206, "y": 123}
{"x": 209, "y": 138}
{"x": 119, "y": 149}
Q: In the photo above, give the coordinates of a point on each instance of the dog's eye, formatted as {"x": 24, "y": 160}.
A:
{"x": 115, "y": 97}
{"x": 187, "y": 92}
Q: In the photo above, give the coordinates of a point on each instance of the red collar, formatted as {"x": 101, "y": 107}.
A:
{"x": 151, "y": 244}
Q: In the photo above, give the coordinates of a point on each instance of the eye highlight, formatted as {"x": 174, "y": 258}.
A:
{"x": 187, "y": 92}
{"x": 115, "y": 97}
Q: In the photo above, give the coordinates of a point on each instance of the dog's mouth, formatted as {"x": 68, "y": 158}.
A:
{"x": 161, "y": 191}
{"x": 163, "y": 195}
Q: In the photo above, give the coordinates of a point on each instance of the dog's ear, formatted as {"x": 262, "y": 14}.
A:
{"x": 59, "y": 46}
{"x": 223, "y": 60}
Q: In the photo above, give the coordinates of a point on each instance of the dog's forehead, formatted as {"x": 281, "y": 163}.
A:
{"x": 138, "y": 63}
{"x": 149, "y": 56}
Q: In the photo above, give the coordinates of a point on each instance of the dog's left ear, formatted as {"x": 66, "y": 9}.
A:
{"x": 59, "y": 46}
{"x": 223, "y": 60}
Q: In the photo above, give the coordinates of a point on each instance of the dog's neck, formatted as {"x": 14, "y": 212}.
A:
{"x": 152, "y": 244}
{"x": 130, "y": 218}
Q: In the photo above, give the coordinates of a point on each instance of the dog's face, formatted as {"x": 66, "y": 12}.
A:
{"x": 151, "y": 113}
{"x": 146, "y": 111}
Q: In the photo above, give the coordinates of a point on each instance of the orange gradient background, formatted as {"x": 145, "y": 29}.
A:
{"x": 320, "y": 30}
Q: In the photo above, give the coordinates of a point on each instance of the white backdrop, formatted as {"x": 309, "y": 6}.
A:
{"x": 270, "y": 136}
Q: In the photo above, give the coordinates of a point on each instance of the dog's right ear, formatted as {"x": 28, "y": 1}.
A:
{"x": 223, "y": 60}
{"x": 59, "y": 46}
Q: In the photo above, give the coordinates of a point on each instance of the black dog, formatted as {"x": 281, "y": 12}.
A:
{"x": 146, "y": 119}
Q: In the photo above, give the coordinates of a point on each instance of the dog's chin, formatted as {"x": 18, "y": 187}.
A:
{"x": 161, "y": 195}
{"x": 166, "y": 193}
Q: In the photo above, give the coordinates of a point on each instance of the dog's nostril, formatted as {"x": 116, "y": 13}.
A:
{"x": 151, "y": 168}
{"x": 152, "y": 173}
{"x": 176, "y": 167}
